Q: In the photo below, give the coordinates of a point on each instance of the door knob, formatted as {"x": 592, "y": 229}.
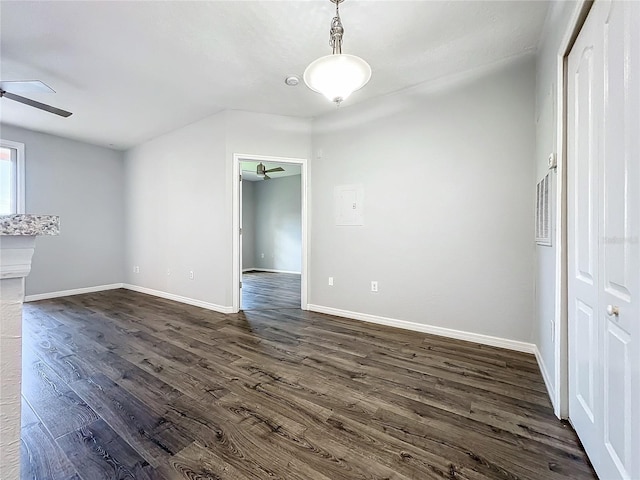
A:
{"x": 612, "y": 310}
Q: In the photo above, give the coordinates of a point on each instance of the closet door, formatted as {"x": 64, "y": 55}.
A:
{"x": 604, "y": 237}
{"x": 619, "y": 182}
{"x": 584, "y": 111}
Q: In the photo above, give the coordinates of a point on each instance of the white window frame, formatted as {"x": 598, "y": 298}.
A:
{"x": 20, "y": 181}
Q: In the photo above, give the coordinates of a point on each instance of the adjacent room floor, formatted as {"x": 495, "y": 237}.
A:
{"x": 122, "y": 385}
{"x": 268, "y": 290}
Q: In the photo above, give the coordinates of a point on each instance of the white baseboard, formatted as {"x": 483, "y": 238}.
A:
{"x": 135, "y": 288}
{"x": 269, "y": 270}
{"x": 179, "y": 298}
{"x": 391, "y": 322}
{"x": 545, "y": 376}
{"x": 68, "y": 293}
{"x": 431, "y": 329}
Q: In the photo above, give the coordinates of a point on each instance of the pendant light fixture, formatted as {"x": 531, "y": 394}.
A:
{"x": 338, "y": 75}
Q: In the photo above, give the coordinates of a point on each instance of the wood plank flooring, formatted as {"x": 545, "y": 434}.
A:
{"x": 269, "y": 290}
{"x": 121, "y": 385}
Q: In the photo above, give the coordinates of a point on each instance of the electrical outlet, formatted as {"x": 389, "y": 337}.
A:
{"x": 262, "y": 255}
{"x": 136, "y": 269}
{"x": 331, "y": 281}
{"x": 374, "y": 286}
{"x": 168, "y": 271}
{"x": 191, "y": 276}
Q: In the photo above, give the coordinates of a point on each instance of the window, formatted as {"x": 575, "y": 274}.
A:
{"x": 11, "y": 177}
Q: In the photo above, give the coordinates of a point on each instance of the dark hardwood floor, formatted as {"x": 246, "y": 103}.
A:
{"x": 269, "y": 290}
{"x": 121, "y": 385}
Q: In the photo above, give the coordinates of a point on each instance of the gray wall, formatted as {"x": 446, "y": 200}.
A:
{"x": 278, "y": 224}
{"x": 547, "y": 294}
{"x": 179, "y": 200}
{"x": 248, "y": 225}
{"x": 447, "y": 171}
{"x": 84, "y": 184}
{"x": 448, "y": 174}
{"x": 176, "y": 221}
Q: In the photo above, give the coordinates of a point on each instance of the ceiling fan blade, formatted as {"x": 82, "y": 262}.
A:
{"x": 277, "y": 169}
{"x": 266, "y": 177}
{"x": 26, "y": 86}
{"x": 33, "y": 103}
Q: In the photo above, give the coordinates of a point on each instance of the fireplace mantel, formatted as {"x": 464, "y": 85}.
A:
{"x": 17, "y": 242}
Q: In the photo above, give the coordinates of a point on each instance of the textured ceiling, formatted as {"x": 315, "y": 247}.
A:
{"x": 130, "y": 71}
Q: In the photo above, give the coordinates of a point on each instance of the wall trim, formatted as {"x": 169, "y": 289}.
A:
{"x": 236, "y": 252}
{"x": 135, "y": 288}
{"x": 365, "y": 317}
{"x": 178, "y": 298}
{"x": 545, "y": 376}
{"x": 561, "y": 334}
{"x": 269, "y": 270}
{"x": 431, "y": 329}
{"x": 68, "y": 293}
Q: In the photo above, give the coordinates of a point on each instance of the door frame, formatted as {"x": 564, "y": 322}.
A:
{"x": 561, "y": 346}
{"x": 237, "y": 204}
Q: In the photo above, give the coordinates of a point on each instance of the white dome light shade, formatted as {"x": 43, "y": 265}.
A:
{"x": 337, "y": 76}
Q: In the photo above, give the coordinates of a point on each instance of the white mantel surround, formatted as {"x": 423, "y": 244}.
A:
{"x": 17, "y": 242}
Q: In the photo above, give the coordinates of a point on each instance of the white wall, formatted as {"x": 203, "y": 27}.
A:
{"x": 248, "y": 225}
{"x": 179, "y": 200}
{"x": 278, "y": 224}
{"x": 84, "y": 185}
{"x": 447, "y": 172}
{"x": 176, "y": 190}
{"x": 547, "y": 300}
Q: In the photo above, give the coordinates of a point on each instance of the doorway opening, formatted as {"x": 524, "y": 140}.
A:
{"x": 270, "y": 232}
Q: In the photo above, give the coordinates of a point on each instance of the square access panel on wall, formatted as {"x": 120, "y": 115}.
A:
{"x": 348, "y": 203}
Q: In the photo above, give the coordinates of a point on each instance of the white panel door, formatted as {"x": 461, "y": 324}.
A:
{"x": 584, "y": 109}
{"x": 604, "y": 333}
{"x": 619, "y": 214}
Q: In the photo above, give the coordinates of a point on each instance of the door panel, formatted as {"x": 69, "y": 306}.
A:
{"x": 619, "y": 224}
{"x": 586, "y": 334}
{"x": 586, "y": 235}
{"x": 583, "y": 111}
{"x": 603, "y": 232}
{"x": 617, "y": 400}
{"x": 617, "y": 155}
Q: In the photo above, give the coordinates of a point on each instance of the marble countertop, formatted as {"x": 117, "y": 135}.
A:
{"x": 26, "y": 224}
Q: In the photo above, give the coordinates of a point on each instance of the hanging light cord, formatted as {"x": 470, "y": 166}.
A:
{"x": 336, "y": 32}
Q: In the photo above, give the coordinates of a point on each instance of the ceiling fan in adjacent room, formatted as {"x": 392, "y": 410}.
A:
{"x": 261, "y": 171}
{"x": 11, "y": 89}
